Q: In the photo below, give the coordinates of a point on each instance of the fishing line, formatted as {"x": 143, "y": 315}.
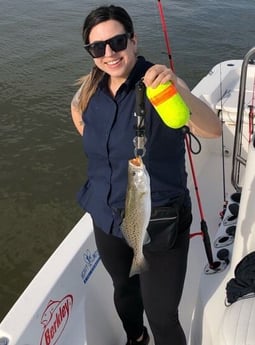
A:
{"x": 204, "y": 230}
{"x": 220, "y": 113}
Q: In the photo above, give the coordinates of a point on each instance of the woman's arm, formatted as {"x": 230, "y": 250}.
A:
{"x": 77, "y": 114}
{"x": 203, "y": 120}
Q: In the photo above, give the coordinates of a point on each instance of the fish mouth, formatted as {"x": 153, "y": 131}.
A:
{"x": 137, "y": 161}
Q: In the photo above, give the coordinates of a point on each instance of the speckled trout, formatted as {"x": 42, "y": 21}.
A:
{"x": 137, "y": 212}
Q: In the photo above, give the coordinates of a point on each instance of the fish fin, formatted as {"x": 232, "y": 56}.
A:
{"x": 147, "y": 238}
{"x": 138, "y": 266}
{"x": 122, "y": 228}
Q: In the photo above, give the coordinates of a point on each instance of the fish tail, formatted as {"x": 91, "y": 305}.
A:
{"x": 138, "y": 266}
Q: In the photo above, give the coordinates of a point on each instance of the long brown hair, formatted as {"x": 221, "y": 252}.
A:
{"x": 89, "y": 84}
{"x": 101, "y": 14}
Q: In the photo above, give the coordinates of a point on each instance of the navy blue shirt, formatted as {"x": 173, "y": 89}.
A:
{"x": 108, "y": 143}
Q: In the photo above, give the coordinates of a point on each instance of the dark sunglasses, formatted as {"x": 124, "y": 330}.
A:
{"x": 117, "y": 43}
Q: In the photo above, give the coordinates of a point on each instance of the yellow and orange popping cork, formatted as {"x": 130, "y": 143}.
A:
{"x": 169, "y": 104}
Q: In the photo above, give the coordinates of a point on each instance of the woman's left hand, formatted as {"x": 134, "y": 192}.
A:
{"x": 158, "y": 74}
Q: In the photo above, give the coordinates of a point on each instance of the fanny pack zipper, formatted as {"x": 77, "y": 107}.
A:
{"x": 164, "y": 218}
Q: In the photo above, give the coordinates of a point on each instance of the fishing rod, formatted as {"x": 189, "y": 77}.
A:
{"x": 165, "y": 32}
{"x": 204, "y": 229}
{"x": 252, "y": 112}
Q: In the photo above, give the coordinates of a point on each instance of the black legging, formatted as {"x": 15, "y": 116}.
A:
{"x": 157, "y": 291}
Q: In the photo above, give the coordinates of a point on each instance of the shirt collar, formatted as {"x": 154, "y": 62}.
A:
{"x": 136, "y": 74}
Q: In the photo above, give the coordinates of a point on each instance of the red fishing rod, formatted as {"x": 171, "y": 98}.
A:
{"x": 204, "y": 229}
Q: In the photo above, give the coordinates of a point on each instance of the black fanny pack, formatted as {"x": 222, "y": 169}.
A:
{"x": 164, "y": 225}
{"x": 163, "y": 228}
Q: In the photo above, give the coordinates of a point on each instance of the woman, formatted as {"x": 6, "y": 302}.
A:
{"x": 103, "y": 112}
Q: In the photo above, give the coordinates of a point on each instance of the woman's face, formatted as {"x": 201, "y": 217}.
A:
{"x": 117, "y": 64}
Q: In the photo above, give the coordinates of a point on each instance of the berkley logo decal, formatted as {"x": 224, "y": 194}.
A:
{"x": 54, "y": 319}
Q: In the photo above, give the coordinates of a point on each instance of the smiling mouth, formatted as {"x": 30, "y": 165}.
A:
{"x": 113, "y": 62}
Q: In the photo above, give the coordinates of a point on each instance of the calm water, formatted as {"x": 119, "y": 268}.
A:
{"x": 41, "y": 160}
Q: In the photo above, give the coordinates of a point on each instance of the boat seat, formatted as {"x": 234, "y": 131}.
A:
{"x": 237, "y": 327}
